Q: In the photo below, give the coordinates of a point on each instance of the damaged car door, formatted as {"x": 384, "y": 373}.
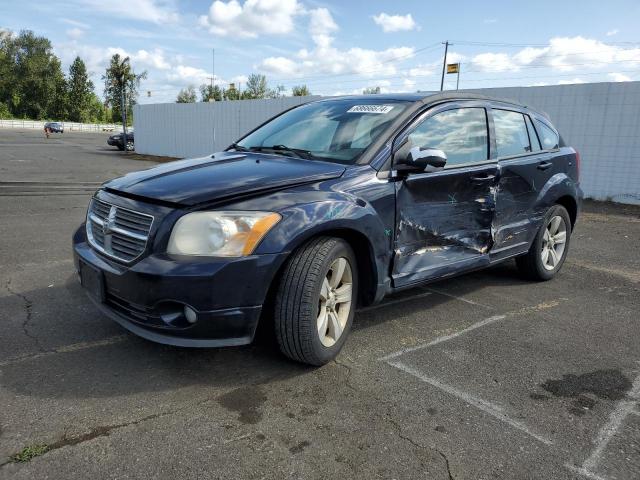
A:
{"x": 444, "y": 216}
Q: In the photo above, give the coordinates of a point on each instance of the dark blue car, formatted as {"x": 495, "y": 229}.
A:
{"x": 328, "y": 206}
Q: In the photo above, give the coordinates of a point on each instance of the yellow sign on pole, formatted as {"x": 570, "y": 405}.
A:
{"x": 453, "y": 67}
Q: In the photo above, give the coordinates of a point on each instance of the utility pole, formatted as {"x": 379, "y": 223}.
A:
{"x": 213, "y": 107}
{"x": 123, "y": 111}
{"x": 458, "y": 79}
{"x": 444, "y": 64}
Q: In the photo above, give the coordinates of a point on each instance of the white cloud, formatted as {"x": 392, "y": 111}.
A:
{"x": 571, "y": 82}
{"x": 395, "y": 23}
{"x": 492, "y": 62}
{"x": 74, "y": 23}
{"x": 619, "y": 77}
{"x": 154, "y": 11}
{"x": 75, "y": 33}
{"x": 490, "y": 20}
{"x": 329, "y": 60}
{"x": 321, "y": 26}
{"x": 613, "y": 32}
{"x": 251, "y": 19}
{"x": 564, "y": 54}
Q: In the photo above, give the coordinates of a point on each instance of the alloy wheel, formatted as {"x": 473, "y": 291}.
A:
{"x": 335, "y": 302}
{"x": 554, "y": 242}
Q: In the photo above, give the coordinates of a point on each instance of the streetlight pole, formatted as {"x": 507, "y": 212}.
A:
{"x": 444, "y": 64}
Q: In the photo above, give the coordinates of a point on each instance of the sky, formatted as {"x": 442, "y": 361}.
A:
{"x": 341, "y": 47}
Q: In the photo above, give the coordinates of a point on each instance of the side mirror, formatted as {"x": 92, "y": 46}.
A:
{"x": 420, "y": 159}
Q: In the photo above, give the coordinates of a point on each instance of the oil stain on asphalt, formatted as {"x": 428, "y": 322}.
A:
{"x": 246, "y": 401}
{"x": 608, "y": 384}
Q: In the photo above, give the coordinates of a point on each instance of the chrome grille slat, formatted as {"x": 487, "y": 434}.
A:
{"x": 116, "y": 231}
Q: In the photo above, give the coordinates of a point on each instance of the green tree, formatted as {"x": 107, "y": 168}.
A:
{"x": 371, "y": 90}
{"x": 208, "y": 92}
{"x": 257, "y": 87}
{"x": 96, "y": 111}
{"x": 32, "y": 84}
{"x": 187, "y": 95}
{"x": 80, "y": 93}
{"x": 119, "y": 79}
{"x": 232, "y": 93}
{"x": 300, "y": 91}
{"x": 7, "y": 73}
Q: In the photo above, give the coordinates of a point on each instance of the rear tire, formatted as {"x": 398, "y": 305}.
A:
{"x": 316, "y": 301}
{"x": 550, "y": 247}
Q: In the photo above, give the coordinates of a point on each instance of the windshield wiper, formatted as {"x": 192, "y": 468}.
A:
{"x": 299, "y": 152}
{"x": 238, "y": 148}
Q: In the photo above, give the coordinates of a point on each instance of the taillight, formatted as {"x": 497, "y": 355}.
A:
{"x": 577, "y": 166}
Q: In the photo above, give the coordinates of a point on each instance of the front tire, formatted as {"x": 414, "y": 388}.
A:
{"x": 550, "y": 247}
{"x": 316, "y": 301}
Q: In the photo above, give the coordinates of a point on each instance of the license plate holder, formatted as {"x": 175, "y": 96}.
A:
{"x": 92, "y": 280}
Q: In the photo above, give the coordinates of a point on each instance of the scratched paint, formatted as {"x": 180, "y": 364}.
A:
{"x": 443, "y": 219}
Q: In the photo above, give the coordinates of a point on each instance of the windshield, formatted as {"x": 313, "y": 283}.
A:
{"x": 333, "y": 130}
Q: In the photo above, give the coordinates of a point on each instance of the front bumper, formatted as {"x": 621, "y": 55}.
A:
{"x": 226, "y": 295}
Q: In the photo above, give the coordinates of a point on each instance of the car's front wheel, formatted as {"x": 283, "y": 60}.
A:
{"x": 316, "y": 301}
{"x": 550, "y": 247}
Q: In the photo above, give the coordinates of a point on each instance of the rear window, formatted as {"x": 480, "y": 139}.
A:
{"x": 511, "y": 133}
{"x": 548, "y": 137}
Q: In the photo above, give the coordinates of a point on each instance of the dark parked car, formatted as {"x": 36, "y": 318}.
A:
{"x": 117, "y": 140}
{"x": 329, "y": 205}
{"x": 54, "y": 127}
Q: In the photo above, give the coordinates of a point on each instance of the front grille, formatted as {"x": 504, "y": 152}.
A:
{"x": 116, "y": 231}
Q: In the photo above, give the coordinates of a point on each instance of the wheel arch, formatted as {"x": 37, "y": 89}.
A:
{"x": 570, "y": 204}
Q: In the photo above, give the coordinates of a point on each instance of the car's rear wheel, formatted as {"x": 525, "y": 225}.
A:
{"x": 550, "y": 247}
{"x": 316, "y": 301}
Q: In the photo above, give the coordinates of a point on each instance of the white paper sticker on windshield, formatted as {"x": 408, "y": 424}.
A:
{"x": 370, "y": 109}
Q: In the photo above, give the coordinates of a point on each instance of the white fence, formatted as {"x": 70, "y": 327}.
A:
{"x": 68, "y": 126}
{"x": 601, "y": 120}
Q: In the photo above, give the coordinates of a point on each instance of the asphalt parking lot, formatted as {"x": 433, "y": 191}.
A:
{"x": 479, "y": 377}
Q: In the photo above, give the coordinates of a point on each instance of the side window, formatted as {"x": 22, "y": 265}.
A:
{"x": 511, "y": 133}
{"x": 460, "y": 133}
{"x": 548, "y": 137}
{"x": 533, "y": 136}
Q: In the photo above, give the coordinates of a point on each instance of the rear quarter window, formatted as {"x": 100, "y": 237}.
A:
{"x": 548, "y": 137}
{"x": 511, "y": 133}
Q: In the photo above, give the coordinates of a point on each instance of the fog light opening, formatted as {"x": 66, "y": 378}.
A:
{"x": 190, "y": 314}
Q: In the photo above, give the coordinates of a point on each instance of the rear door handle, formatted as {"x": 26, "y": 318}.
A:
{"x": 544, "y": 165}
{"x": 485, "y": 178}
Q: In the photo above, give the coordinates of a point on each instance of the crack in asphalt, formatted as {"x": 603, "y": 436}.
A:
{"x": 406, "y": 438}
{"x": 348, "y": 379}
{"x": 28, "y": 309}
{"x": 395, "y": 424}
{"x": 96, "y": 432}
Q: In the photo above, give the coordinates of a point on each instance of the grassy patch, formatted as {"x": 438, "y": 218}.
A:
{"x": 29, "y": 452}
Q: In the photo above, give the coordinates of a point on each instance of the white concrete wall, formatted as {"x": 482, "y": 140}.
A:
{"x": 196, "y": 129}
{"x": 601, "y": 120}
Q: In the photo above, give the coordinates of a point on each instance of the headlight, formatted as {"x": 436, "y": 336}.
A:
{"x": 220, "y": 234}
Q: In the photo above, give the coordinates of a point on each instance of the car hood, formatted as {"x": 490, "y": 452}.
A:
{"x": 221, "y": 176}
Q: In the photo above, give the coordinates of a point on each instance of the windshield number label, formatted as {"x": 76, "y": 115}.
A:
{"x": 370, "y": 109}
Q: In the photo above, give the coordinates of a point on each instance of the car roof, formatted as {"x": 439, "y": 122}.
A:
{"x": 427, "y": 98}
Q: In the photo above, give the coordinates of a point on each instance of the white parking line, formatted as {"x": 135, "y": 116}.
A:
{"x": 456, "y": 297}
{"x": 623, "y": 409}
{"x": 444, "y": 338}
{"x": 393, "y": 302}
{"x": 487, "y": 407}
